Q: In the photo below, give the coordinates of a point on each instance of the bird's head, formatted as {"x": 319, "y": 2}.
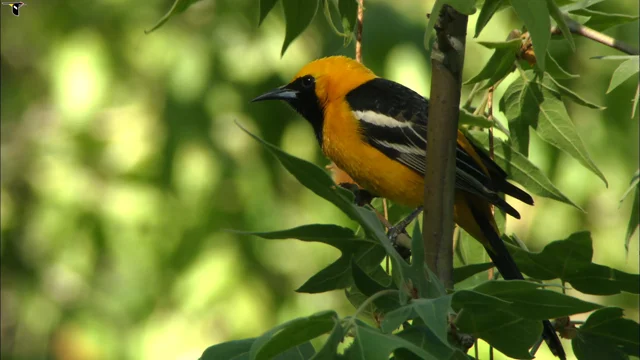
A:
{"x": 318, "y": 83}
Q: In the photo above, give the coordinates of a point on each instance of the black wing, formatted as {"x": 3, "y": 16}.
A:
{"x": 393, "y": 119}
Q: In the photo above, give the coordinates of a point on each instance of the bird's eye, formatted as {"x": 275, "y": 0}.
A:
{"x": 308, "y": 81}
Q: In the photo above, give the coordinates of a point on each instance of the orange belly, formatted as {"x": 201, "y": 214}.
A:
{"x": 382, "y": 176}
{"x": 370, "y": 168}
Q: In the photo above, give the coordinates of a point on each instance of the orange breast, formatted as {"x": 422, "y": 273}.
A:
{"x": 369, "y": 167}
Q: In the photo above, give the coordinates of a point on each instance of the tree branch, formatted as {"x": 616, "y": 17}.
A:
{"x": 359, "y": 31}
{"x": 579, "y": 29}
{"x": 447, "y": 59}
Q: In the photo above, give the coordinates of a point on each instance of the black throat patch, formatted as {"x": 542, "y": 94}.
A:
{"x": 308, "y": 105}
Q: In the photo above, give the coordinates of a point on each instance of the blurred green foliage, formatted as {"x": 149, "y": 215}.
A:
{"x": 122, "y": 168}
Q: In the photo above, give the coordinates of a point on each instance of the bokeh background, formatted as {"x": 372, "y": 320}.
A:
{"x": 122, "y": 167}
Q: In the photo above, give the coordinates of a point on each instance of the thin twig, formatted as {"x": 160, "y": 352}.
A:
{"x": 579, "y": 29}
{"x": 359, "y": 31}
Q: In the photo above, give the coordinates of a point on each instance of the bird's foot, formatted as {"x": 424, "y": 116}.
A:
{"x": 398, "y": 231}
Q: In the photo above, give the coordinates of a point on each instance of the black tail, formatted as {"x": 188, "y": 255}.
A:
{"x": 507, "y": 266}
{"x": 499, "y": 178}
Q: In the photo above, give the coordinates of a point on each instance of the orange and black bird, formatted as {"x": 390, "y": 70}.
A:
{"x": 375, "y": 130}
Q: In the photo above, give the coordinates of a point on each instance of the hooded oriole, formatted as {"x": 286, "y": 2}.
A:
{"x": 375, "y": 130}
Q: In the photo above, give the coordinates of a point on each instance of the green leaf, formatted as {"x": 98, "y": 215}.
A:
{"x": 293, "y": 333}
{"x": 228, "y": 350}
{"x": 557, "y": 15}
{"x": 433, "y": 312}
{"x": 607, "y": 335}
{"x": 555, "y": 70}
{"x": 552, "y": 85}
{"x": 520, "y": 169}
{"x": 532, "y": 303}
{"x": 318, "y": 181}
{"x": 371, "y": 344}
{"x": 626, "y": 70}
{"x": 489, "y": 8}
{"x": 348, "y": 12}
{"x": 426, "y": 282}
{"x": 466, "y": 7}
{"x": 467, "y": 271}
{"x": 357, "y": 298}
{"x": 469, "y": 119}
{"x": 369, "y": 287}
{"x": 179, "y": 6}
{"x": 366, "y": 252}
{"x": 634, "y": 219}
{"x": 535, "y": 16}
{"x": 500, "y": 64}
{"x": 570, "y": 260}
{"x": 601, "y": 21}
{"x": 423, "y": 337}
{"x": 486, "y": 317}
{"x": 575, "y": 5}
{"x": 297, "y": 15}
{"x": 433, "y": 17}
{"x": 527, "y": 102}
{"x": 265, "y": 7}
{"x": 635, "y": 180}
{"x": 330, "y": 347}
{"x": 239, "y": 350}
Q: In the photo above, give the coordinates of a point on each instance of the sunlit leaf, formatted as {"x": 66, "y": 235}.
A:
{"x": 178, "y": 7}
{"x": 556, "y": 14}
{"x": 607, "y": 334}
{"x": 348, "y": 12}
{"x": 237, "y": 349}
{"x": 329, "y": 350}
{"x": 601, "y": 21}
{"x": 469, "y": 119}
{"x": 293, "y": 333}
{"x": 527, "y": 102}
{"x": 520, "y": 169}
{"x": 265, "y": 7}
{"x": 626, "y": 70}
{"x": 535, "y": 15}
{"x": 297, "y": 15}
{"x": 551, "y": 84}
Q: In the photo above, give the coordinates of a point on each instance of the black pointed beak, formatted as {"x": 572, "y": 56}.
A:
{"x": 281, "y": 93}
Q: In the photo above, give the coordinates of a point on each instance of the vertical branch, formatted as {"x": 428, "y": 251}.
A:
{"x": 447, "y": 59}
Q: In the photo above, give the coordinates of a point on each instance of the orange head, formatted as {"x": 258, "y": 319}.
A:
{"x": 318, "y": 83}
